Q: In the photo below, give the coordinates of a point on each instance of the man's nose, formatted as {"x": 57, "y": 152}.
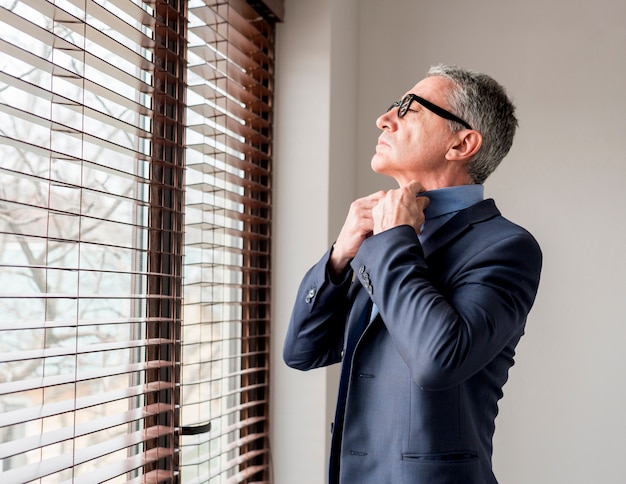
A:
{"x": 387, "y": 120}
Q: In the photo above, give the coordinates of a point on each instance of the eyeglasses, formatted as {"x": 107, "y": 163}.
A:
{"x": 404, "y": 105}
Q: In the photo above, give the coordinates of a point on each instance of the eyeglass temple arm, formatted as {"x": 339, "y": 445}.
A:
{"x": 440, "y": 111}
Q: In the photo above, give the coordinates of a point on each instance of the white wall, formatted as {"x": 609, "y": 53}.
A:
{"x": 562, "y": 418}
{"x": 315, "y": 162}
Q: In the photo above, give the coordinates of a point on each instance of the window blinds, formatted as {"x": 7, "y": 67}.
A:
{"x": 88, "y": 223}
{"x": 227, "y": 245}
{"x": 92, "y": 172}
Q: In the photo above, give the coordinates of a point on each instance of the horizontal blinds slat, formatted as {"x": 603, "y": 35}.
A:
{"x": 123, "y": 466}
{"x": 201, "y": 324}
{"x": 230, "y": 302}
{"x": 226, "y": 248}
{"x": 222, "y": 106}
{"x": 248, "y": 472}
{"x": 235, "y": 462}
{"x": 85, "y": 192}
{"x": 152, "y": 477}
{"x": 227, "y": 121}
{"x": 80, "y": 349}
{"x": 236, "y": 409}
{"x": 206, "y": 235}
{"x": 233, "y": 216}
{"x": 250, "y": 151}
{"x": 51, "y": 268}
{"x": 87, "y": 297}
{"x": 128, "y": 258}
{"x": 228, "y": 267}
{"x": 106, "y": 222}
{"x": 217, "y": 163}
{"x": 235, "y": 374}
{"x": 119, "y": 443}
{"x": 227, "y": 287}
{"x": 80, "y": 376}
{"x": 127, "y": 168}
{"x": 67, "y": 461}
{"x": 225, "y": 125}
{"x": 41, "y": 324}
{"x": 70, "y": 240}
{"x": 85, "y": 136}
{"x": 221, "y": 243}
{"x": 138, "y": 14}
{"x": 220, "y": 177}
{"x": 194, "y": 440}
{"x": 75, "y": 270}
{"x": 9, "y": 449}
{"x": 24, "y": 147}
{"x": 234, "y": 356}
{"x": 33, "y": 413}
{"x": 224, "y": 197}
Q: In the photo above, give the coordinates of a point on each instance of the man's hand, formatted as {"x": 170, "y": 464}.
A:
{"x": 401, "y": 207}
{"x": 358, "y": 226}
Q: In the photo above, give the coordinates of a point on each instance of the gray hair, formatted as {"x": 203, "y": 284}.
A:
{"x": 484, "y": 104}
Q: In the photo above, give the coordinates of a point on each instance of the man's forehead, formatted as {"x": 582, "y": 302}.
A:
{"x": 432, "y": 88}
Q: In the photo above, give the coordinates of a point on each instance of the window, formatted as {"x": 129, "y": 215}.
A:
{"x": 227, "y": 250}
{"x": 103, "y": 373}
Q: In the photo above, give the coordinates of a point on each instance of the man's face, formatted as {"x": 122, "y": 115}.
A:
{"x": 414, "y": 147}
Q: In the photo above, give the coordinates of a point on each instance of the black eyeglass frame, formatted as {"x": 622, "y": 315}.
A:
{"x": 404, "y": 105}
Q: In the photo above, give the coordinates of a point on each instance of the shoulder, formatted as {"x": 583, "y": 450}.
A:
{"x": 487, "y": 219}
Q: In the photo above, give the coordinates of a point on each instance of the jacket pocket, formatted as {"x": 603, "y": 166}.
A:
{"x": 441, "y": 457}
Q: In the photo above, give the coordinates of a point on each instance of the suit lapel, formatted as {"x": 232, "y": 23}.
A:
{"x": 458, "y": 224}
{"x": 361, "y": 302}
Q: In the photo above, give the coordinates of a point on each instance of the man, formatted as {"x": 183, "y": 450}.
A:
{"x": 424, "y": 295}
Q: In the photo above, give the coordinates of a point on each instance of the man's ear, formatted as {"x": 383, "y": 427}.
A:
{"x": 466, "y": 145}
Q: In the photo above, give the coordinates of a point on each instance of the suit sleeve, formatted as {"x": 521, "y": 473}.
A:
{"x": 316, "y": 329}
{"x": 447, "y": 332}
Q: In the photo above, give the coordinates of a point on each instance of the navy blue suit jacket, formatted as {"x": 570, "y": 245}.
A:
{"x": 418, "y": 395}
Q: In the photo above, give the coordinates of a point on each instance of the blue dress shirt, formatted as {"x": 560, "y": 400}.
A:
{"x": 445, "y": 202}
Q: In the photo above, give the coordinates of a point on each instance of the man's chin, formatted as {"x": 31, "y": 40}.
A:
{"x": 377, "y": 164}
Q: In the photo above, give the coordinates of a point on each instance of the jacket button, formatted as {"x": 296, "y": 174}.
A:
{"x": 358, "y": 453}
{"x": 310, "y": 295}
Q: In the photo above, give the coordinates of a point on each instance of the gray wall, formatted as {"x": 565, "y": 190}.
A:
{"x": 562, "y": 418}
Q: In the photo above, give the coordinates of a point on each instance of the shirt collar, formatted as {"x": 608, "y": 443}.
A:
{"x": 452, "y": 199}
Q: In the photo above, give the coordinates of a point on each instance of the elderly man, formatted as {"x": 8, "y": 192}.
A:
{"x": 424, "y": 295}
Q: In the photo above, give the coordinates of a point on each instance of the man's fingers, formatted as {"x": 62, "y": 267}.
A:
{"x": 414, "y": 187}
{"x": 423, "y": 201}
{"x": 374, "y": 198}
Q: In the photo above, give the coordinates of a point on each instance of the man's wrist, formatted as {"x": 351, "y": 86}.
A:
{"x": 338, "y": 265}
